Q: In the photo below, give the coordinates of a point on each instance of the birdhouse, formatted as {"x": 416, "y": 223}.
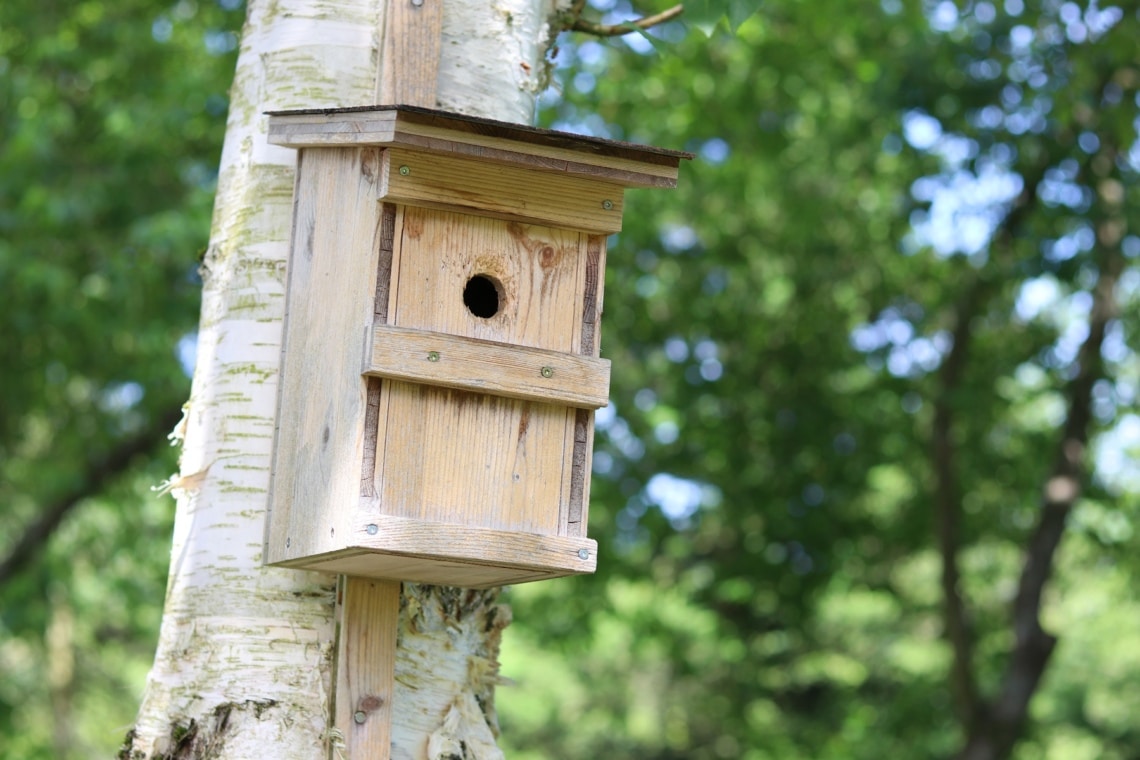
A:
{"x": 439, "y": 367}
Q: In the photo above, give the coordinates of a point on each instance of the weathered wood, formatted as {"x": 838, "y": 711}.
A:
{"x": 502, "y": 191}
{"x": 486, "y": 140}
{"x": 582, "y": 458}
{"x": 456, "y": 456}
{"x": 317, "y": 458}
{"x": 466, "y": 263}
{"x": 375, "y": 391}
{"x": 420, "y": 551}
{"x": 484, "y": 366}
{"x": 368, "y": 612}
{"x": 409, "y": 54}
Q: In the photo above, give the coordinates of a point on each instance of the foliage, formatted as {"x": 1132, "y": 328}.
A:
{"x": 795, "y": 445}
{"x": 111, "y": 117}
{"x": 846, "y": 356}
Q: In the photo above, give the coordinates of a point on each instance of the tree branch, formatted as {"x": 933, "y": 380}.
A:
{"x": 948, "y": 509}
{"x": 578, "y": 24}
{"x": 1033, "y": 646}
{"x": 948, "y": 493}
{"x": 97, "y": 473}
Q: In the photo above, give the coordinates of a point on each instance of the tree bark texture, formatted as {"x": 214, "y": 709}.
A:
{"x": 245, "y": 656}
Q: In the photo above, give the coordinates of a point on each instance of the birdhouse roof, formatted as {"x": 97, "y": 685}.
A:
{"x": 433, "y": 131}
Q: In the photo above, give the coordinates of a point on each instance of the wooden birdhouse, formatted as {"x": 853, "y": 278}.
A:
{"x": 440, "y": 368}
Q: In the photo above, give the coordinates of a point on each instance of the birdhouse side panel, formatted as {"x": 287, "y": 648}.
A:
{"x": 322, "y": 401}
{"x": 583, "y": 456}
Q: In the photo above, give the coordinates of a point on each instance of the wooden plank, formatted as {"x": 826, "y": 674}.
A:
{"x": 483, "y": 366}
{"x": 482, "y": 546}
{"x": 375, "y": 392}
{"x": 323, "y": 401}
{"x": 483, "y": 461}
{"x": 383, "y": 546}
{"x": 583, "y": 446}
{"x": 502, "y": 191}
{"x": 439, "y": 572}
{"x": 624, "y": 171}
{"x": 457, "y": 456}
{"x": 409, "y": 68}
{"x": 368, "y": 613}
{"x": 628, "y": 164}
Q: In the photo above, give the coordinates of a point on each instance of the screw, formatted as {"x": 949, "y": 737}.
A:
{"x": 608, "y": 205}
{"x": 372, "y": 529}
{"x": 583, "y": 554}
{"x": 433, "y": 356}
{"x": 405, "y": 170}
{"x": 360, "y": 716}
{"x": 548, "y": 371}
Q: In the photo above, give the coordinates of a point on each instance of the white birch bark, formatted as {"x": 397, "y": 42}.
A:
{"x": 244, "y": 658}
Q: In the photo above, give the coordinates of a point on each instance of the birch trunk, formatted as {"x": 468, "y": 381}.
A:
{"x": 244, "y": 659}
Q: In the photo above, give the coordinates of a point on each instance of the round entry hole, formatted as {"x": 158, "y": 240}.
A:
{"x": 481, "y": 296}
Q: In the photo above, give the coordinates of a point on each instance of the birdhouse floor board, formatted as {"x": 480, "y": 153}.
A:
{"x": 502, "y": 191}
{"x": 452, "y": 554}
{"x": 483, "y": 366}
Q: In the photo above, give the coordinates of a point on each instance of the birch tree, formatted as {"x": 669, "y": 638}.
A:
{"x": 245, "y": 657}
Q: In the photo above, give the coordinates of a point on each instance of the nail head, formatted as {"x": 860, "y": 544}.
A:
{"x": 608, "y": 205}
{"x": 405, "y": 170}
{"x": 372, "y": 529}
{"x": 433, "y": 356}
{"x": 583, "y": 554}
{"x": 360, "y": 716}
{"x": 548, "y": 371}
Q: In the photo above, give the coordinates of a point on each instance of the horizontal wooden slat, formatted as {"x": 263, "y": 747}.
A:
{"x": 501, "y": 190}
{"x": 484, "y": 366}
{"x": 398, "y": 548}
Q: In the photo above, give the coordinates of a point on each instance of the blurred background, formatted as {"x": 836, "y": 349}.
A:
{"x": 860, "y": 358}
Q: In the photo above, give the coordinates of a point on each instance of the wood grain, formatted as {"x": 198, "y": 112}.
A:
{"x": 487, "y": 140}
{"x": 409, "y": 68}
{"x": 375, "y": 388}
{"x": 460, "y": 457}
{"x": 502, "y": 191}
{"x": 484, "y": 366}
{"x": 453, "y": 554}
{"x": 322, "y": 399}
{"x": 368, "y": 612}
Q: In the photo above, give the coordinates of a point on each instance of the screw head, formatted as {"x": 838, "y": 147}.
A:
{"x": 372, "y": 529}
{"x": 608, "y": 205}
{"x": 405, "y": 170}
{"x": 360, "y": 716}
{"x": 547, "y": 371}
{"x": 583, "y": 554}
{"x": 433, "y": 356}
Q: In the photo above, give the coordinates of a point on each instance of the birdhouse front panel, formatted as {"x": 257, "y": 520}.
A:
{"x": 440, "y": 363}
{"x": 479, "y": 458}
